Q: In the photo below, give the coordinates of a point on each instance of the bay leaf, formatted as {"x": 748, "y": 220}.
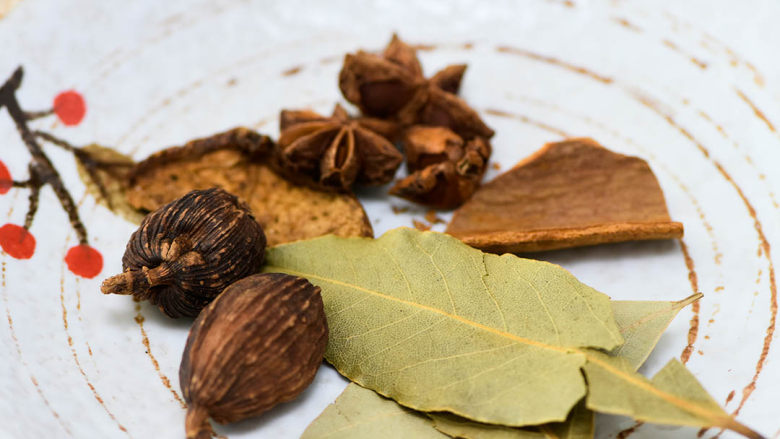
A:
{"x": 579, "y": 425}
{"x": 673, "y": 396}
{"x": 360, "y": 413}
{"x": 409, "y": 318}
{"x": 642, "y": 323}
{"x": 439, "y": 326}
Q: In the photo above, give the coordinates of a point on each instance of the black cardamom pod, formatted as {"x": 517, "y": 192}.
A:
{"x": 187, "y": 252}
{"x": 258, "y": 344}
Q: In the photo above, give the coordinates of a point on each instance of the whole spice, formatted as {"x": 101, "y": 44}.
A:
{"x": 337, "y": 151}
{"x": 258, "y": 344}
{"x": 446, "y": 142}
{"x": 393, "y": 86}
{"x": 567, "y": 194}
{"x": 186, "y": 252}
{"x": 444, "y": 169}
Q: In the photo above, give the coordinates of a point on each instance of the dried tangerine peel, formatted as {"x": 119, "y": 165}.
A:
{"x": 287, "y": 212}
{"x": 568, "y": 194}
{"x": 111, "y": 179}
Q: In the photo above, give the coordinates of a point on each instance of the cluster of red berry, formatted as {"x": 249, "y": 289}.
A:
{"x": 16, "y": 240}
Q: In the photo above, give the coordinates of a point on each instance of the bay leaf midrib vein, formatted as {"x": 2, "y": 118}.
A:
{"x": 463, "y": 320}
{"x": 679, "y": 402}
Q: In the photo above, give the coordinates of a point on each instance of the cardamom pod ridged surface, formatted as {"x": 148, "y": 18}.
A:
{"x": 185, "y": 253}
{"x": 258, "y": 344}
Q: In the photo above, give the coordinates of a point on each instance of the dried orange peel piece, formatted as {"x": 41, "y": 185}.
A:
{"x": 568, "y": 194}
{"x": 240, "y": 162}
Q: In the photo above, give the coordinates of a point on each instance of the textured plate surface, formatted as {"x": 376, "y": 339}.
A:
{"x": 692, "y": 87}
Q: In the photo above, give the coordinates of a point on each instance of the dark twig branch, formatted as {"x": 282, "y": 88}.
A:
{"x": 32, "y": 115}
{"x": 42, "y": 171}
{"x": 90, "y": 164}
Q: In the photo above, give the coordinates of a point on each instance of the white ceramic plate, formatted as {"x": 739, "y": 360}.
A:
{"x": 693, "y": 88}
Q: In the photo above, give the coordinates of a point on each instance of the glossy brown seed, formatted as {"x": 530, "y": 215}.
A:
{"x": 258, "y": 344}
{"x": 186, "y": 252}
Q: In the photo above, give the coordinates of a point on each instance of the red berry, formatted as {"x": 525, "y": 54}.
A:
{"x": 84, "y": 261}
{"x": 17, "y": 241}
{"x": 6, "y": 182}
{"x": 70, "y": 107}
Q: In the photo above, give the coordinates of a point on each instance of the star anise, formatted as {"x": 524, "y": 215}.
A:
{"x": 444, "y": 169}
{"x": 393, "y": 86}
{"x": 338, "y": 151}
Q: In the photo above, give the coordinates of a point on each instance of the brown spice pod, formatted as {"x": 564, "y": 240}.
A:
{"x": 445, "y": 169}
{"x": 434, "y": 106}
{"x": 258, "y": 344}
{"x": 392, "y": 85}
{"x": 568, "y": 194}
{"x": 239, "y": 161}
{"x": 336, "y": 151}
{"x": 404, "y": 55}
{"x": 449, "y": 78}
{"x": 186, "y": 252}
{"x": 425, "y": 145}
{"x": 379, "y": 87}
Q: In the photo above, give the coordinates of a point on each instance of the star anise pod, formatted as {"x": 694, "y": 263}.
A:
{"x": 338, "y": 151}
{"x": 392, "y": 85}
{"x": 444, "y": 168}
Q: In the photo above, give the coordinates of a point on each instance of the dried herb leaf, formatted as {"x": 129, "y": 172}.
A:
{"x": 673, "y": 396}
{"x": 491, "y": 338}
{"x": 449, "y": 328}
{"x": 579, "y": 425}
{"x": 567, "y": 194}
{"x": 359, "y": 413}
{"x": 642, "y": 323}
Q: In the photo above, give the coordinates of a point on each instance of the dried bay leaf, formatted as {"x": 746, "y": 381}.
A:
{"x": 359, "y": 413}
{"x": 439, "y": 326}
{"x": 673, "y": 396}
{"x": 567, "y": 194}
{"x": 418, "y": 333}
{"x": 457, "y": 427}
{"x": 642, "y": 323}
{"x": 239, "y": 161}
{"x": 579, "y": 425}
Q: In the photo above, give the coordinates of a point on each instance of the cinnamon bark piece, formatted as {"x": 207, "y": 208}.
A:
{"x": 240, "y": 162}
{"x": 568, "y": 194}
